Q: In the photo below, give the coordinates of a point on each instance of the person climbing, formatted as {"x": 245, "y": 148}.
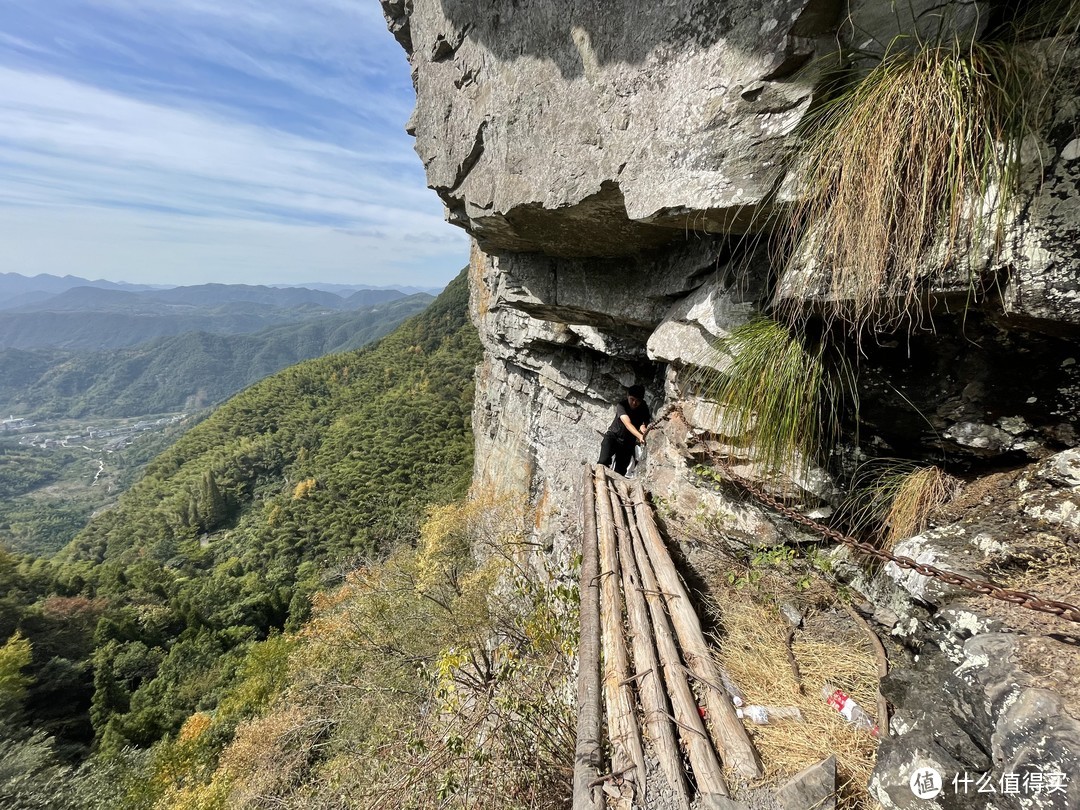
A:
{"x": 631, "y": 424}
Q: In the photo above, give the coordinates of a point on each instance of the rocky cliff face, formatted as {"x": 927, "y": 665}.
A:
{"x": 607, "y": 158}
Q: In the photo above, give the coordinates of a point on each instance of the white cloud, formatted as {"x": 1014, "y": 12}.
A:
{"x": 320, "y": 48}
{"x": 88, "y": 141}
{"x": 69, "y": 145}
{"x": 218, "y": 139}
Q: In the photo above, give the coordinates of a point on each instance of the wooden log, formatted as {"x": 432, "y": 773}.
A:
{"x": 588, "y": 753}
{"x": 637, "y": 751}
{"x": 627, "y": 756}
{"x": 654, "y": 701}
{"x": 732, "y": 742}
{"x": 695, "y": 739}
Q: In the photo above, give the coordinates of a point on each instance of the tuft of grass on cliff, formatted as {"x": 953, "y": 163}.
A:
{"x": 921, "y": 154}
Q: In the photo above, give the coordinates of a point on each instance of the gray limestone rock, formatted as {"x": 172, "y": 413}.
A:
{"x": 1061, "y": 469}
{"x": 1043, "y": 280}
{"x": 577, "y": 129}
{"x": 689, "y": 331}
{"x": 629, "y": 296}
{"x": 980, "y": 437}
{"x": 811, "y": 789}
{"x": 873, "y": 27}
{"x": 982, "y": 724}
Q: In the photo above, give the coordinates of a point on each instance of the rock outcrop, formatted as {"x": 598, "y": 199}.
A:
{"x": 618, "y": 165}
{"x": 605, "y": 129}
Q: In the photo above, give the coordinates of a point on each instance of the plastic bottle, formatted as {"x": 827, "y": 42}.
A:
{"x": 848, "y": 708}
{"x": 763, "y": 715}
{"x": 733, "y": 690}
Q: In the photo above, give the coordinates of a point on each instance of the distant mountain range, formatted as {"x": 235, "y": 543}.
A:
{"x": 17, "y": 290}
{"x": 345, "y": 289}
{"x": 76, "y": 348}
{"x": 183, "y": 371}
{"x": 92, "y": 318}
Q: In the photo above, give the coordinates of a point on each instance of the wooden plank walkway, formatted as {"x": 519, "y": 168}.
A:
{"x": 641, "y": 650}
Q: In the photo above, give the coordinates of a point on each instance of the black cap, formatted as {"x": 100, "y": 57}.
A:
{"x": 636, "y": 391}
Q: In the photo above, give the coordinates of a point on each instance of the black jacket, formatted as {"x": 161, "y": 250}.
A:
{"x": 641, "y": 415}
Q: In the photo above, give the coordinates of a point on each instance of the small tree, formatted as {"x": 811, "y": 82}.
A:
{"x": 14, "y": 657}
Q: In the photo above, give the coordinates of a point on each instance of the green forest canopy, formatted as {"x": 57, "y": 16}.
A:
{"x": 147, "y": 614}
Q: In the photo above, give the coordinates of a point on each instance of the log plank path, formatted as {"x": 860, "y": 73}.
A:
{"x": 645, "y": 667}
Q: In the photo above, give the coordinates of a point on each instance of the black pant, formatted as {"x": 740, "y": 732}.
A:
{"x": 621, "y": 449}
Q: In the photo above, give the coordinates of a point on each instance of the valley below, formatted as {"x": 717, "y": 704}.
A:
{"x": 95, "y": 382}
{"x": 56, "y": 473}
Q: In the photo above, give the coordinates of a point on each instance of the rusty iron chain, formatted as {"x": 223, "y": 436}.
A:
{"x": 982, "y": 586}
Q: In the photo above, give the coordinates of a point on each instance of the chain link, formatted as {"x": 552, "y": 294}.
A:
{"x": 1021, "y": 598}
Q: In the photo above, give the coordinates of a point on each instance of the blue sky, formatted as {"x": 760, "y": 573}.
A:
{"x": 188, "y": 141}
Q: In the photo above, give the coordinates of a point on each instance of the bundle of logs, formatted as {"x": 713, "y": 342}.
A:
{"x": 631, "y": 592}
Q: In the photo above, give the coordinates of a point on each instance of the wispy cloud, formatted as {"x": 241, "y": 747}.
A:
{"x": 243, "y": 137}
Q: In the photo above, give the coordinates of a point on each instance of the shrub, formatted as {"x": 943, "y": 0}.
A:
{"x": 427, "y": 679}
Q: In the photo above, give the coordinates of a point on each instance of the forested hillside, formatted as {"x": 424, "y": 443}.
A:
{"x": 151, "y": 613}
{"x": 182, "y": 372}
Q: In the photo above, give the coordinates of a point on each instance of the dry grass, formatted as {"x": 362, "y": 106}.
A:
{"x": 914, "y": 166}
{"x": 828, "y": 649}
{"x": 918, "y": 494}
{"x": 1050, "y": 569}
{"x": 895, "y": 498}
{"x": 1055, "y": 571}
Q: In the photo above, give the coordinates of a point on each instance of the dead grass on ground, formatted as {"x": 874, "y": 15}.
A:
{"x": 828, "y": 649}
{"x": 1054, "y": 573}
{"x": 1050, "y": 569}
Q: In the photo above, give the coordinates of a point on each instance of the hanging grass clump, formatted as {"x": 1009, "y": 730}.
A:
{"x": 914, "y": 167}
{"x": 776, "y": 395}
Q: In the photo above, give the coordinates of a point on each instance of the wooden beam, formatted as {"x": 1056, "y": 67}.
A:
{"x": 627, "y": 756}
{"x": 695, "y": 739}
{"x": 588, "y": 753}
{"x": 732, "y": 742}
{"x": 654, "y": 701}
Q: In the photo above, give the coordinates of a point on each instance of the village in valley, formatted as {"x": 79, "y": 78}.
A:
{"x": 105, "y": 435}
{"x": 57, "y": 472}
